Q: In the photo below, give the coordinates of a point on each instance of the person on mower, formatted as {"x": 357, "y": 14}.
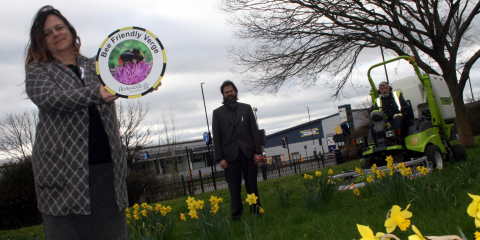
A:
{"x": 391, "y": 103}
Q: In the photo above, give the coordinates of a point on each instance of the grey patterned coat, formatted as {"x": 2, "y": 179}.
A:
{"x": 60, "y": 152}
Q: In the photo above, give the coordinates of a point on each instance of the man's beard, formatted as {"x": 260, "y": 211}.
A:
{"x": 230, "y": 101}
{"x": 386, "y": 95}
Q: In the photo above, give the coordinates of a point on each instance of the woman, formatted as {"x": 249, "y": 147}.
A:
{"x": 78, "y": 160}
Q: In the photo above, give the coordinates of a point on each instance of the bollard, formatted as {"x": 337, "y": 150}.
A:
{"x": 184, "y": 190}
{"x": 201, "y": 180}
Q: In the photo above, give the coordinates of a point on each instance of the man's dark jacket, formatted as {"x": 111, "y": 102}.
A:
{"x": 231, "y": 135}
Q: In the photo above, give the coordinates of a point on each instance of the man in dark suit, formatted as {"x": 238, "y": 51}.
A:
{"x": 237, "y": 146}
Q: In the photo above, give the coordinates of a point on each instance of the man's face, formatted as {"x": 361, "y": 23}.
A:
{"x": 384, "y": 90}
{"x": 229, "y": 94}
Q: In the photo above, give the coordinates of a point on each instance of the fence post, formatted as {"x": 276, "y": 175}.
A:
{"x": 184, "y": 190}
{"x": 294, "y": 166}
{"x": 299, "y": 169}
{"x": 189, "y": 189}
{"x": 213, "y": 178}
{"x": 278, "y": 167}
{"x": 201, "y": 180}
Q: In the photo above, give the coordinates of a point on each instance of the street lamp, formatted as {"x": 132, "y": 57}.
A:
{"x": 311, "y": 130}
{"x": 255, "y": 111}
{"x": 208, "y": 127}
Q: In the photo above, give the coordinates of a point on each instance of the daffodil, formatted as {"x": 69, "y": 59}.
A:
{"x": 129, "y": 216}
{"x": 473, "y": 209}
{"x": 374, "y": 167}
{"x": 251, "y": 199}
{"x": 398, "y": 218}
{"x": 200, "y": 204}
{"x": 311, "y": 177}
{"x": 149, "y": 208}
{"x": 136, "y": 217}
{"x": 359, "y": 170}
{"x": 127, "y": 210}
{"x": 214, "y": 209}
{"x": 144, "y": 205}
{"x": 389, "y": 159}
{"x": 182, "y": 217}
{"x": 305, "y": 176}
{"x": 169, "y": 209}
{"x": 144, "y": 213}
{"x": 158, "y": 207}
{"x": 220, "y": 200}
{"x": 318, "y": 173}
{"x": 189, "y": 200}
{"x": 330, "y": 181}
{"x": 330, "y": 172}
{"x": 477, "y": 235}
{"x": 136, "y": 207}
{"x": 192, "y": 205}
{"x": 370, "y": 179}
{"x": 193, "y": 214}
{"x": 418, "y": 235}
{"x": 356, "y": 192}
{"x": 261, "y": 211}
{"x": 367, "y": 233}
{"x": 213, "y": 200}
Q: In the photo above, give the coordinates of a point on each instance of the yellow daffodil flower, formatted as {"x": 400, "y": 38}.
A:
{"x": 389, "y": 159}
{"x": 356, "y": 192}
{"x": 127, "y": 210}
{"x": 213, "y": 200}
{"x": 370, "y": 179}
{"x": 144, "y": 213}
{"x": 330, "y": 172}
{"x": 136, "y": 217}
{"x": 144, "y": 205}
{"x": 149, "y": 208}
{"x": 136, "y": 207}
{"x": 200, "y": 204}
{"x": 359, "y": 170}
{"x": 330, "y": 181}
{"x": 214, "y": 209}
{"x": 169, "y": 209}
{"x": 418, "y": 235}
{"x": 367, "y": 233}
{"x": 220, "y": 200}
{"x": 374, "y": 167}
{"x": 193, "y": 214}
{"x": 477, "y": 235}
{"x": 158, "y": 207}
{"x": 473, "y": 209}
{"x": 318, "y": 173}
{"x": 305, "y": 176}
{"x": 190, "y": 200}
{"x": 135, "y": 212}
{"x": 182, "y": 217}
{"x": 129, "y": 216}
{"x": 193, "y": 205}
{"x": 251, "y": 199}
{"x": 261, "y": 211}
{"x": 311, "y": 177}
{"x": 398, "y": 218}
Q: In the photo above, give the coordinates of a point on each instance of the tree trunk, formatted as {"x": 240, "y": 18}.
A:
{"x": 462, "y": 122}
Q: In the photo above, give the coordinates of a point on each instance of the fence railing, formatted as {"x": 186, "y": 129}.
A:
{"x": 201, "y": 183}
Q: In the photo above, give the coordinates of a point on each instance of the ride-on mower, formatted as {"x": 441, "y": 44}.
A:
{"x": 424, "y": 132}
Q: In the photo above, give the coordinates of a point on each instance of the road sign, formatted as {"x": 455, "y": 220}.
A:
{"x": 206, "y": 137}
{"x": 145, "y": 156}
{"x": 305, "y": 147}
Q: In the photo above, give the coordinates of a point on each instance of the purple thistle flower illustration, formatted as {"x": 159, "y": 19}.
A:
{"x": 132, "y": 72}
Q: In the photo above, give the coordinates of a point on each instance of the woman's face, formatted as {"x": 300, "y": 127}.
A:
{"x": 57, "y": 35}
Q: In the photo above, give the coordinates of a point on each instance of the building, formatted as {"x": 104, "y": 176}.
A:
{"x": 314, "y": 137}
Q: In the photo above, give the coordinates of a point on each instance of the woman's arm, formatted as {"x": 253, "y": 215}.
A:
{"x": 44, "y": 92}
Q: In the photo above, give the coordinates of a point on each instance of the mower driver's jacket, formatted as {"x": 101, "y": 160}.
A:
{"x": 392, "y": 104}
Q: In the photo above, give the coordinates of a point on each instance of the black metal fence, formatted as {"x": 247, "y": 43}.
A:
{"x": 201, "y": 183}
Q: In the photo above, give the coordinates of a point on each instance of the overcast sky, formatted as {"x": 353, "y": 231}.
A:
{"x": 195, "y": 36}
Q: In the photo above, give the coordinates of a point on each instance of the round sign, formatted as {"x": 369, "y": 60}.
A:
{"x": 131, "y": 62}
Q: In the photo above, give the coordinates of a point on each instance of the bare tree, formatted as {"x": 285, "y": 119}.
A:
{"x": 17, "y": 134}
{"x": 134, "y": 132}
{"x": 168, "y": 139}
{"x": 364, "y": 113}
{"x": 299, "y": 40}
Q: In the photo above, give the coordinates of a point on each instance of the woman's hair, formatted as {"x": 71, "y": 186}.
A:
{"x": 36, "y": 50}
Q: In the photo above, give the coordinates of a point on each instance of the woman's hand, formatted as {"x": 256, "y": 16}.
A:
{"x": 106, "y": 95}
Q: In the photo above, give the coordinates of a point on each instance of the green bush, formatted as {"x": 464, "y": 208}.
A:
{"x": 18, "y": 202}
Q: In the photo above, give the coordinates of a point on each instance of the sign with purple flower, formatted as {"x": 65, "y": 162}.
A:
{"x": 131, "y": 62}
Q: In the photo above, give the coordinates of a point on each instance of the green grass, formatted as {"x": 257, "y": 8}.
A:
{"x": 334, "y": 220}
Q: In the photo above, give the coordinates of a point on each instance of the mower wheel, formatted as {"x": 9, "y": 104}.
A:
{"x": 459, "y": 152}
{"x": 434, "y": 155}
